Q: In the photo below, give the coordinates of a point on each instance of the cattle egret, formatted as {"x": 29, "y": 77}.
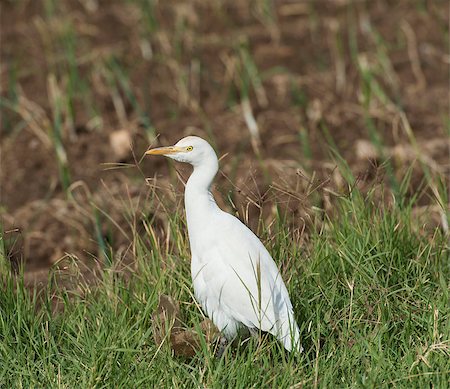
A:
{"x": 235, "y": 279}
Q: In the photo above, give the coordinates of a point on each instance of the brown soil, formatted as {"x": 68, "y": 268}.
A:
{"x": 186, "y": 74}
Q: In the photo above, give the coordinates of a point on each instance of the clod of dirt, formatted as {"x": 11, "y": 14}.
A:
{"x": 47, "y": 231}
{"x": 365, "y": 150}
{"x": 187, "y": 342}
{"x": 167, "y": 315}
{"x": 314, "y": 111}
{"x": 120, "y": 142}
{"x": 167, "y": 325}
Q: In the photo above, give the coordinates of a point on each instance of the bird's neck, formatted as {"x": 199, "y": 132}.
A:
{"x": 199, "y": 201}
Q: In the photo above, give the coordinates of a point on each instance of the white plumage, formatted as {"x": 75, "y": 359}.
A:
{"x": 235, "y": 279}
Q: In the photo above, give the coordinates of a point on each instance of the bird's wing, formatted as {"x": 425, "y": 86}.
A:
{"x": 242, "y": 276}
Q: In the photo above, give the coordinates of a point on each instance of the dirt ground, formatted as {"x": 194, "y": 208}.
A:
{"x": 81, "y": 80}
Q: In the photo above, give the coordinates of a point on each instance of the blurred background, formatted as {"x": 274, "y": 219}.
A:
{"x": 299, "y": 98}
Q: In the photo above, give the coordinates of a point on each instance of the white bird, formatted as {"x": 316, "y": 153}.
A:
{"x": 235, "y": 279}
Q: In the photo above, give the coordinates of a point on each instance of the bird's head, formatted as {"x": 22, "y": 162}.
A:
{"x": 192, "y": 149}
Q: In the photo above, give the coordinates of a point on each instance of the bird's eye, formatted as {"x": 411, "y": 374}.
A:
{"x": 189, "y": 148}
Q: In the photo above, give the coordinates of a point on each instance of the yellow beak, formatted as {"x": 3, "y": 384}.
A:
{"x": 164, "y": 150}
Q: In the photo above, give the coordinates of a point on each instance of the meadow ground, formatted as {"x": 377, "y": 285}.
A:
{"x": 331, "y": 120}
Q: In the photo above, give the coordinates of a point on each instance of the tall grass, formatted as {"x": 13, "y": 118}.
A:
{"x": 371, "y": 297}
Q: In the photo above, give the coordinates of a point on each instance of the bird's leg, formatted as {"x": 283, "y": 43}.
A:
{"x": 259, "y": 335}
{"x": 221, "y": 346}
{"x": 254, "y": 332}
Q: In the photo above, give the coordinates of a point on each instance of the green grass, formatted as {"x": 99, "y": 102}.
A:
{"x": 371, "y": 297}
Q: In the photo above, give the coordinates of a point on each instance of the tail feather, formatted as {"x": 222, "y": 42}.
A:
{"x": 289, "y": 335}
